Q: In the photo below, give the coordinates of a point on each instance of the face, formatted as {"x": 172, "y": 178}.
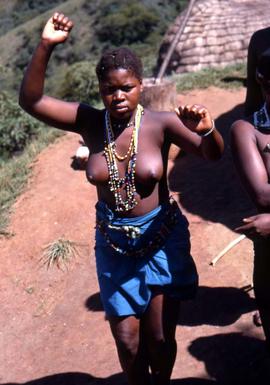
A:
{"x": 120, "y": 92}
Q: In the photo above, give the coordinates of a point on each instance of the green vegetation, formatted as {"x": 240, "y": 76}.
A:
{"x": 19, "y": 11}
{"x": 132, "y": 24}
{"x": 79, "y": 82}
{"x": 16, "y": 127}
{"x": 228, "y": 77}
{"x": 98, "y": 24}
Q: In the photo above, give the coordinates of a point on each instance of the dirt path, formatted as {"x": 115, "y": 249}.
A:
{"x": 53, "y": 329}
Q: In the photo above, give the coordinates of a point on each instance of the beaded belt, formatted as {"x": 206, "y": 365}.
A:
{"x": 170, "y": 219}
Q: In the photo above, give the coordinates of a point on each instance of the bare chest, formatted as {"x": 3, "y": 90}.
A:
{"x": 149, "y": 159}
{"x": 263, "y": 142}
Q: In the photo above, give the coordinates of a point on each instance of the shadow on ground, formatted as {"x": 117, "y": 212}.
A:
{"x": 217, "y": 306}
{"x": 74, "y": 378}
{"x": 228, "y": 358}
{"x": 212, "y": 190}
{"x": 87, "y": 379}
{"x": 232, "y": 358}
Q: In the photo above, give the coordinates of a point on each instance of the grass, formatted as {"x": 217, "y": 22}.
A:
{"x": 14, "y": 174}
{"x": 59, "y": 253}
{"x": 230, "y": 77}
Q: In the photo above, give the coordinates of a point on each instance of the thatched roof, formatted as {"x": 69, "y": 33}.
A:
{"x": 217, "y": 33}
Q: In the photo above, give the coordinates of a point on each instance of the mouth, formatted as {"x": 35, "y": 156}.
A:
{"x": 120, "y": 111}
{"x": 120, "y": 108}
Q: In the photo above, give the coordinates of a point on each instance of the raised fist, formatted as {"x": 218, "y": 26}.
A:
{"x": 57, "y": 28}
{"x": 195, "y": 117}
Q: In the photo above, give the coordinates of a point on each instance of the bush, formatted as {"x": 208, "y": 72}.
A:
{"x": 128, "y": 24}
{"x": 22, "y": 11}
{"x": 16, "y": 127}
{"x": 80, "y": 83}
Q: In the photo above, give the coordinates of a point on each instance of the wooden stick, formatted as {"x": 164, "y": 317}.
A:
{"x": 227, "y": 248}
{"x": 174, "y": 42}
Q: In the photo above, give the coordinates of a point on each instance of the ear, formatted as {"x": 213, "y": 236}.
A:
{"x": 141, "y": 87}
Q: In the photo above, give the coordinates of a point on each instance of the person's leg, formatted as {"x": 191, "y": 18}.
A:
{"x": 261, "y": 281}
{"x": 131, "y": 350}
{"x": 159, "y": 325}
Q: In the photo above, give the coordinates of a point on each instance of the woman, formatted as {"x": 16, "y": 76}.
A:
{"x": 250, "y": 139}
{"x": 142, "y": 242}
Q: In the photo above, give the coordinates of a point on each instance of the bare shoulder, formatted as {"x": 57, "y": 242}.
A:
{"x": 87, "y": 116}
{"x": 157, "y": 115}
{"x": 162, "y": 118}
{"x": 243, "y": 132}
{"x": 242, "y": 126}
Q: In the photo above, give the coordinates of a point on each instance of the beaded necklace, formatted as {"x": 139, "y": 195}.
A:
{"x": 128, "y": 181}
{"x": 261, "y": 118}
{"x": 118, "y": 126}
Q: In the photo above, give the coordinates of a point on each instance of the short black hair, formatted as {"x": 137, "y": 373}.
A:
{"x": 119, "y": 58}
{"x": 263, "y": 69}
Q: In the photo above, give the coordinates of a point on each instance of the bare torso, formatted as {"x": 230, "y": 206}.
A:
{"x": 151, "y": 163}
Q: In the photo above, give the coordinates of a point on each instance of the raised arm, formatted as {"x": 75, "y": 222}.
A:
{"x": 196, "y": 132}
{"x": 54, "y": 112}
{"x": 250, "y": 165}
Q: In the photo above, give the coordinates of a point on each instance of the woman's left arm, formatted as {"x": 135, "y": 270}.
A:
{"x": 196, "y": 132}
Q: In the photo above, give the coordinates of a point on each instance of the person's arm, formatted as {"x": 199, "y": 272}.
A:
{"x": 196, "y": 132}
{"x": 250, "y": 165}
{"x": 254, "y": 96}
{"x": 54, "y": 112}
{"x": 255, "y": 225}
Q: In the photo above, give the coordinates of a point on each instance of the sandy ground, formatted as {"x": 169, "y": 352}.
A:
{"x": 52, "y": 326}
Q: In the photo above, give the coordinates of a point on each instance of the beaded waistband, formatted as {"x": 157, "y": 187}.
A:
{"x": 169, "y": 218}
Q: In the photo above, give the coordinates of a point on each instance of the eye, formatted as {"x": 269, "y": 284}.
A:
{"x": 107, "y": 90}
{"x": 127, "y": 88}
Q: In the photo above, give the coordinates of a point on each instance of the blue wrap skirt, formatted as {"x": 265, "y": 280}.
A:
{"x": 135, "y": 255}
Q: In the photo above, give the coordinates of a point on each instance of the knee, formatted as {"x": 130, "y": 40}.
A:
{"x": 127, "y": 344}
{"x": 157, "y": 345}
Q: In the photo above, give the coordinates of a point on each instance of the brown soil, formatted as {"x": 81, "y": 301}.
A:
{"x": 53, "y": 329}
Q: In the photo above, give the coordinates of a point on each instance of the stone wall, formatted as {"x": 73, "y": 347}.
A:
{"x": 217, "y": 33}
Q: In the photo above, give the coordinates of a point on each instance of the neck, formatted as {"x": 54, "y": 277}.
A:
{"x": 119, "y": 125}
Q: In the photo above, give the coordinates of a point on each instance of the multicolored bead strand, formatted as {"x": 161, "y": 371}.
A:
{"x": 128, "y": 181}
{"x": 261, "y": 118}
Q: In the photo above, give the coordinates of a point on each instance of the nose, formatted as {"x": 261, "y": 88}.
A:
{"x": 118, "y": 95}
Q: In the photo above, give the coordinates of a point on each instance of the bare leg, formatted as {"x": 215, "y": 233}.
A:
{"x": 261, "y": 280}
{"x": 131, "y": 350}
{"x": 159, "y": 325}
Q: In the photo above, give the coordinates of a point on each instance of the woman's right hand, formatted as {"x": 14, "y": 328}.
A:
{"x": 257, "y": 225}
{"x": 57, "y": 29}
